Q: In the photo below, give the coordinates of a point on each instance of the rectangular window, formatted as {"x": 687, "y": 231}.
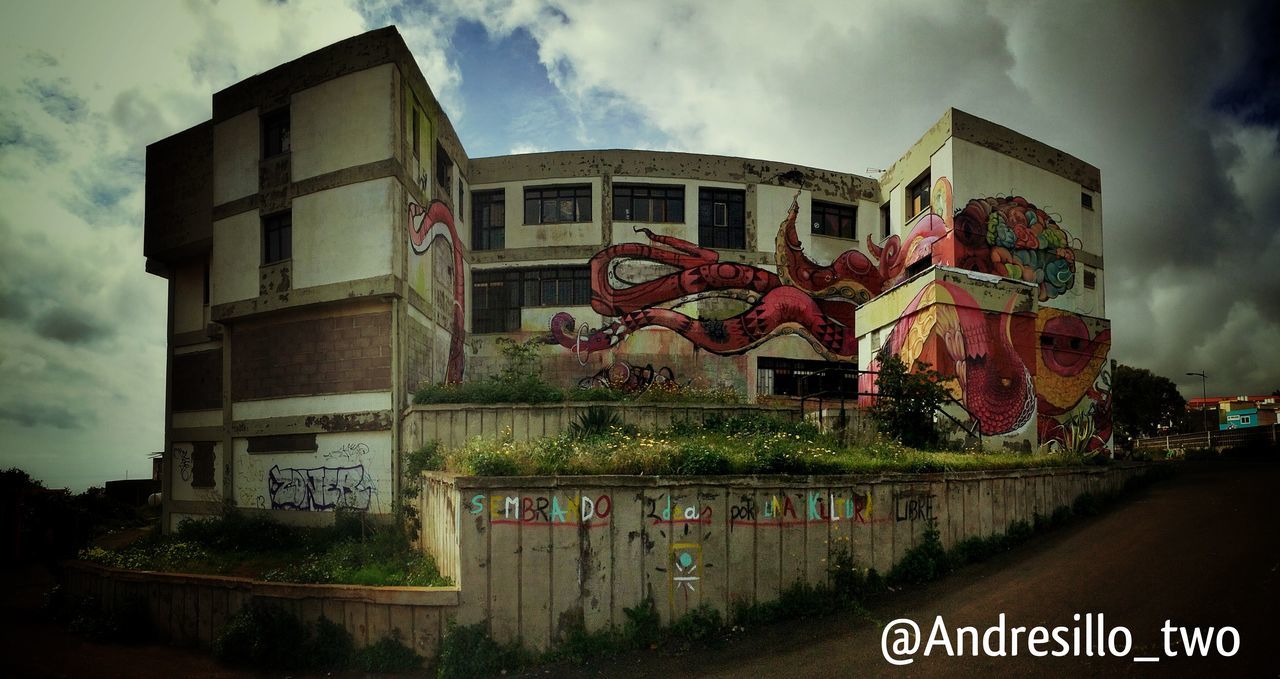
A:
{"x": 1086, "y": 200}
{"x": 557, "y": 204}
{"x": 918, "y": 196}
{"x": 884, "y": 221}
{"x": 206, "y": 281}
{"x": 722, "y": 218}
{"x": 444, "y": 169}
{"x": 417, "y": 135}
{"x": 833, "y": 219}
{"x": 462, "y": 201}
{"x": 498, "y": 295}
{"x": 795, "y": 377}
{"x": 1090, "y": 279}
{"x": 277, "y": 237}
{"x": 275, "y": 132}
{"x": 202, "y": 465}
{"x": 488, "y": 220}
{"x": 648, "y": 203}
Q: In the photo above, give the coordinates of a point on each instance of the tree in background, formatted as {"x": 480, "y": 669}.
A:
{"x": 907, "y": 400}
{"x": 1145, "y": 404}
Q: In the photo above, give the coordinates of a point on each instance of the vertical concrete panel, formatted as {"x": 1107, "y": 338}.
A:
{"x": 378, "y": 617}
{"x": 504, "y": 567}
{"x": 235, "y": 600}
{"x": 157, "y": 605}
{"x": 473, "y": 564}
{"x": 715, "y": 549}
{"x": 355, "y": 620}
{"x": 972, "y": 509}
{"x": 402, "y": 624}
{"x": 218, "y": 610}
{"x": 793, "y": 528}
{"x": 205, "y": 624}
{"x": 985, "y": 522}
{"x": 839, "y": 523}
{"x": 310, "y": 610}
{"x": 769, "y": 543}
{"x": 427, "y": 626}
{"x": 938, "y": 493}
{"x": 520, "y": 424}
{"x": 567, "y": 574}
{"x": 664, "y": 506}
{"x": 862, "y": 525}
{"x": 882, "y": 548}
{"x": 998, "y": 506}
{"x": 628, "y": 564}
{"x": 190, "y": 614}
{"x": 740, "y": 536}
{"x": 535, "y": 585}
{"x": 817, "y": 534}
{"x": 598, "y": 537}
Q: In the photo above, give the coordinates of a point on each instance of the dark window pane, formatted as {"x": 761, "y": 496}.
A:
{"x": 531, "y": 211}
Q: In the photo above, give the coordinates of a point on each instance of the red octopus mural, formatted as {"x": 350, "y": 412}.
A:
{"x": 425, "y": 225}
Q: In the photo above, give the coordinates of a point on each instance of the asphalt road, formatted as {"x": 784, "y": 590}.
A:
{"x": 1201, "y": 549}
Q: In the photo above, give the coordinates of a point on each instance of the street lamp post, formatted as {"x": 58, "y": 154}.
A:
{"x": 1204, "y": 402}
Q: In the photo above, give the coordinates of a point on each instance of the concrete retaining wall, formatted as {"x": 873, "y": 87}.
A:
{"x": 453, "y": 424}
{"x": 537, "y": 556}
{"x": 192, "y": 609}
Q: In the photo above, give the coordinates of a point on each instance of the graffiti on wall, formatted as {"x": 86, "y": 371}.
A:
{"x": 624, "y": 377}
{"x": 1073, "y": 383}
{"x": 184, "y": 462}
{"x": 426, "y": 224}
{"x": 554, "y": 510}
{"x": 977, "y": 352}
{"x": 319, "y": 488}
{"x": 806, "y": 508}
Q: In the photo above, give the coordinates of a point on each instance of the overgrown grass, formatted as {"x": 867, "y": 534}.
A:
{"x": 536, "y": 391}
{"x": 349, "y": 552}
{"x": 735, "y": 444}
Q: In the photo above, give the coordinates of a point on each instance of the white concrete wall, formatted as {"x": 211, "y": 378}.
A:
{"x": 310, "y": 405}
{"x": 343, "y": 122}
{"x": 348, "y": 469}
{"x": 181, "y": 473}
{"x": 236, "y": 151}
{"x": 345, "y": 233}
{"x": 237, "y": 253}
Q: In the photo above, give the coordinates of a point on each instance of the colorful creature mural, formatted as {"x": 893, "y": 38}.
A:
{"x": 425, "y": 225}
{"x": 627, "y": 378}
{"x": 1008, "y": 363}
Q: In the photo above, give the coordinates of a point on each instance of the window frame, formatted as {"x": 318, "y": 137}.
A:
{"x": 1090, "y": 279}
{"x": 274, "y": 223}
{"x": 444, "y": 170}
{"x": 1086, "y": 200}
{"x": 716, "y": 217}
{"x": 276, "y": 128}
{"x": 624, "y": 197}
{"x": 544, "y": 195}
{"x": 918, "y": 189}
{"x": 530, "y": 291}
{"x": 886, "y": 221}
{"x": 417, "y": 134}
{"x": 204, "y": 465}
{"x": 839, "y": 211}
{"x": 482, "y": 229}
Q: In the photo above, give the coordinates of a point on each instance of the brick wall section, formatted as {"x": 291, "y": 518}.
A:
{"x": 333, "y": 355}
{"x": 197, "y": 381}
{"x": 417, "y": 355}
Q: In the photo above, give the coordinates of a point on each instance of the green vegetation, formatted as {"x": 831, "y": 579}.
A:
{"x": 350, "y": 552}
{"x": 907, "y": 402}
{"x": 519, "y": 380}
{"x": 1147, "y": 404}
{"x": 128, "y": 623}
{"x": 734, "y": 444}
{"x": 264, "y": 636}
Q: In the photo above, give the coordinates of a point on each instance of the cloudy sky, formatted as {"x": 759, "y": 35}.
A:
{"x": 1176, "y": 103}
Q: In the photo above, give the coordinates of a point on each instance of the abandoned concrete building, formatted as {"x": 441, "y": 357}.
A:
{"x": 330, "y": 247}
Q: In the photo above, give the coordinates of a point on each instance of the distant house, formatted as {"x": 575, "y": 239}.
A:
{"x": 1245, "y": 411}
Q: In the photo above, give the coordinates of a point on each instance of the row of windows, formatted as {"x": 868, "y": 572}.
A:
{"x": 499, "y": 295}
{"x": 721, "y": 212}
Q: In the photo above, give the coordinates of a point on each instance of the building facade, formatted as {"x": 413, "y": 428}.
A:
{"x": 330, "y": 248}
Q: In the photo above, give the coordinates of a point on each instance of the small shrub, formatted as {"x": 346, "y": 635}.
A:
{"x": 923, "y": 563}
{"x": 642, "y": 628}
{"x": 492, "y": 463}
{"x": 259, "y": 636}
{"x": 907, "y": 400}
{"x": 698, "y": 624}
{"x": 1086, "y": 504}
{"x": 594, "y": 421}
{"x": 387, "y": 655}
{"x": 428, "y": 457}
{"x": 332, "y": 646}
{"x": 468, "y": 651}
{"x": 698, "y": 459}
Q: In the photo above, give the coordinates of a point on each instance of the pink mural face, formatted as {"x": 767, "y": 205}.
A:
{"x": 1073, "y": 384}
{"x": 425, "y": 225}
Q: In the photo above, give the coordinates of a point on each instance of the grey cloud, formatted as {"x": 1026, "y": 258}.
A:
{"x": 13, "y": 306}
{"x": 24, "y": 143}
{"x": 40, "y": 414}
{"x": 101, "y": 187}
{"x": 41, "y": 58}
{"x": 57, "y": 99}
{"x": 72, "y": 327}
